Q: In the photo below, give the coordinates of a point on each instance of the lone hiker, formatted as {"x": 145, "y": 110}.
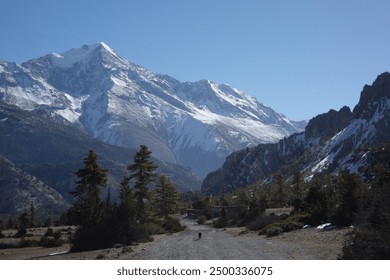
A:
{"x": 199, "y": 235}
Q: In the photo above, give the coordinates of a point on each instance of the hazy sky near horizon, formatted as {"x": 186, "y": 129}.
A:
{"x": 300, "y": 57}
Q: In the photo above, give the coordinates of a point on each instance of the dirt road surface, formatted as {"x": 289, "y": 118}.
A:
{"x": 229, "y": 244}
{"x": 215, "y": 244}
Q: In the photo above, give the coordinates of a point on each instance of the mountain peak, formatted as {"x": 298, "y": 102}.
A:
{"x": 104, "y": 47}
{"x": 372, "y": 94}
{"x": 68, "y": 58}
{"x": 196, "y": 124}
{"x": 328, "y": 124}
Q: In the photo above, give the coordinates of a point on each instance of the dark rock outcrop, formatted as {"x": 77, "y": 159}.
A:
{"x": 328, "y": 124}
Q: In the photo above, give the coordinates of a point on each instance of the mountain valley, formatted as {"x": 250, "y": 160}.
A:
{"x": 55, "y": 108}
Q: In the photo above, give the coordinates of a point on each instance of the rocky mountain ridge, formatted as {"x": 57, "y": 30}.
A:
{"x": 330, "y": 142}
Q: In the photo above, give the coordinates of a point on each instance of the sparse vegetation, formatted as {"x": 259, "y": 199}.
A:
{"x": 201, "y": 220}
{"x": 271, "y": 230}
{"x": 46, "y": 241}
{"x": 172, "y": 225}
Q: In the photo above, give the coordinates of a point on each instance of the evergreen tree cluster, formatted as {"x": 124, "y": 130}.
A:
{"x": 371, "y": 238}
{"x": 139, "y": 213}
{"x": 344, "y": 200}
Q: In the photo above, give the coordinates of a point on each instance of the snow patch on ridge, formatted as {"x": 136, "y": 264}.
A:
{"x": 69, "y": 58}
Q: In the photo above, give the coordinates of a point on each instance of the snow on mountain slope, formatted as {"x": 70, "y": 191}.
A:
{"x": 369, "y": 129}
{"x": 195, "y": 124}
{"x": 331, "y": 141}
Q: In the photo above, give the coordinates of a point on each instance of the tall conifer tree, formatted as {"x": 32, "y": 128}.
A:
{"x": 91, "y": 232}
{"x": 142, "y": 172}
{"x": 87, "y": 192}
{"x": 166, "y": 197}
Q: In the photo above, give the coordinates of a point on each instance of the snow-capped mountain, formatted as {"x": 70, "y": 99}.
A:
{"x": 331, "y": 141}
{"x": 195, "y": 124}
{"x": 39, "y": 152}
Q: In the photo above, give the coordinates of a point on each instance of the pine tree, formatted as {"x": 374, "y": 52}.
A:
{"x": 32, "y": 213}
{"x": 317, "y": 202}
{"x": 126, "y": 196}
{"x": 87, "y": 192}
{"x": 352, "y": 196}
{"x": 125, "y": 222}
{"x": 280, "y": 195}
{"x": 298, "y": 185}
{"x": 11, "y": 224}
{"x": 142, "y": 171}
{"x": 24, "y": 221}
{"x": 166, "y": 197}
{"x": 371, "y": 238}
{"x": 90, "y": 211}
{"x": 242, "y": 199}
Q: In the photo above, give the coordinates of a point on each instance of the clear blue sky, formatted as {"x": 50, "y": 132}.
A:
{"x": 300, "y": 57}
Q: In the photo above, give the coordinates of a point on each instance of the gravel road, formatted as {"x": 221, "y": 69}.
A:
{"x": 219, "y": 244}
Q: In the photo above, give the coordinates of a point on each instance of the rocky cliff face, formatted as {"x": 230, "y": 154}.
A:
{"x": 326, "y": 125}
{"x": 329, "y": 142}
